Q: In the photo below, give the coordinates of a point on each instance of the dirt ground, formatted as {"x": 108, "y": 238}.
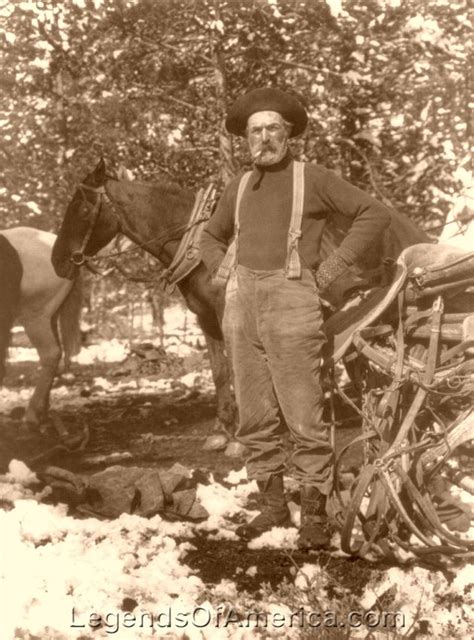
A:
{"x": 158, "y": 430}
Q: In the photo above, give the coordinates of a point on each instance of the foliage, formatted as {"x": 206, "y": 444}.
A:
{"x": 146, "y": 83}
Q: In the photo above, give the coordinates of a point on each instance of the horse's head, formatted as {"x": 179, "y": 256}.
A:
{"x": 88, "y": 224}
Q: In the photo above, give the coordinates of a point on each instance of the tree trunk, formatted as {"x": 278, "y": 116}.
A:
{"x": 228, "y": 167}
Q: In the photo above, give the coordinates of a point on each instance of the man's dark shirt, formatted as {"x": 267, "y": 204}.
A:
{"x": 265, "y": 214}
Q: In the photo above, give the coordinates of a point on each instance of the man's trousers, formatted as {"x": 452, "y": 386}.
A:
{"x": 273, "y": 334}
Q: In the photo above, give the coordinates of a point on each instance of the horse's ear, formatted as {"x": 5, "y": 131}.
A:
{"x": 99, "y": 173}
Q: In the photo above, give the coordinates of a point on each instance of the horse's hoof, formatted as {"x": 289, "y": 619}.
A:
{"x": 217, "y": 442}
{"x": 34, "y": 423}
{"x": 235, "y": 450}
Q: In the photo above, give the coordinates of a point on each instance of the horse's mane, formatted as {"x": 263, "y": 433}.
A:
{"x": 165, "y": 199}
{"x": 164, "y": 188}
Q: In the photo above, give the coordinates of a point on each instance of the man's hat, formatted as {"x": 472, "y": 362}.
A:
{"x": 266, "y": 100}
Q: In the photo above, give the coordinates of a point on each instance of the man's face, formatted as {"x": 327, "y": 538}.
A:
{"x": 267, "y": 137}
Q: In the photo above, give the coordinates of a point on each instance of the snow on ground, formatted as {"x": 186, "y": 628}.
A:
{"x": 101, "y": 387}
{"x": 419, "y": 594}
{"x": 63, "y": 576}
{"x": 181, "y": 335}
{"x": 103, "y": 351}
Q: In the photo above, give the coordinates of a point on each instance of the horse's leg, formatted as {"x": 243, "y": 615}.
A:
{"x": 6, "y": 321}
{"x": 44, "y": 336}
{"x": 207, "y": 302}
{"x": 221, "y": 374}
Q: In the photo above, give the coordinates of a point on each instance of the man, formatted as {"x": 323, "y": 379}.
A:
{"x": 264, "y": 238}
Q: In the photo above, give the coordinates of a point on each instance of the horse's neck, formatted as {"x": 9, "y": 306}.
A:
{"x": 153, "y": 243}
{"x": 150, "y": 218}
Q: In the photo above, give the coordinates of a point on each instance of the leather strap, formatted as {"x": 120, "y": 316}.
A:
{"x": 230, "y": 259}
{"x": 293, "y": 263}
{"x": 188, "y": 256}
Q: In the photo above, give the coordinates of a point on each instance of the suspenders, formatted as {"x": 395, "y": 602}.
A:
{"x": 230, "y": 259}
{"x": 293, "y": 263}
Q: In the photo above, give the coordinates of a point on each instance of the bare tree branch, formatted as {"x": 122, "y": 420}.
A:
{"x": 300, "y": 65}
{"x": 373, "y": 180}
{"x": 192, "y": 149}
{"x": 183, "y": 103}
{"x": 58, "y": 48}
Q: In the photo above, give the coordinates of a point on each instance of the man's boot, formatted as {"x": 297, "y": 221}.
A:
{"x": 313, "y": 532}
{"x": 274, "y": 513}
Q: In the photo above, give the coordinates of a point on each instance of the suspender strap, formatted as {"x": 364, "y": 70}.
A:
{"x": 293, "y": 263}
{"x": 230, "y": 258}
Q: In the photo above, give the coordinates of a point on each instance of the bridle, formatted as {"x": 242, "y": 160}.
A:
{"x": 78, "y": 258}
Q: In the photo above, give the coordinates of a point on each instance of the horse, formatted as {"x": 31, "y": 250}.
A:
{"x": 47, "y": 306}
{"x": 155, "y": 217}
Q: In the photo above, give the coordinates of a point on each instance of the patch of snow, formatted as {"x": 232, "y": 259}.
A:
{"x": 181, "y": 336}
{"x": 236, "y": 477}
{"x": 417, "y": 594}
{"x": 20, "y": 473}
{"x": 10, "y": 398}
{"x": 312, "y": 577}
{"x": 276, "y": 538}
{"x": 22, "y": 354}
{"x": 226, "y": 589}
{"x": 191, "y": 380}
{"x": 105, "y": 351}
{"x": 219, "y": 501}
{"x": 71, "y": 396}
{"x": 87, "y": 567}
{"x": 78, "y": 569}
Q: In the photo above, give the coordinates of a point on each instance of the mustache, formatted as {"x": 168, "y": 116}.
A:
{"x": 262, "y": 150}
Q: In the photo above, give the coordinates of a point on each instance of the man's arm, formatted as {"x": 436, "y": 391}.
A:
{"x": 368, "y": 218}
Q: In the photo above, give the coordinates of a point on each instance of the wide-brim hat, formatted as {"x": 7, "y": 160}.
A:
{"x": 266, "y": 100}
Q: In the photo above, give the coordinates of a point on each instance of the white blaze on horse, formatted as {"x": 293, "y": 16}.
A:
{"x": 46, "y": 305}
